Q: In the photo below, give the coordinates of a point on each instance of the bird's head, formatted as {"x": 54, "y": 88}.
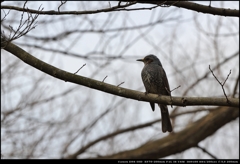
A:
{"x": 150, "y": 59}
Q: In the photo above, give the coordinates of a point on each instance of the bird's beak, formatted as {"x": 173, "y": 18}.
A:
{"x": 140, "y": 60}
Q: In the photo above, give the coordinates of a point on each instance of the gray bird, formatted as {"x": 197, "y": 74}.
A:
{"x": 155, "y": 81}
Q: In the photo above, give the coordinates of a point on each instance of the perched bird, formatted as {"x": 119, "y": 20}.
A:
{"x": 155, "y": 81}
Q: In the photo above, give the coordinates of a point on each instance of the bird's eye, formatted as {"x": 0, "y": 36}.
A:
{"x": 148, "y": 60}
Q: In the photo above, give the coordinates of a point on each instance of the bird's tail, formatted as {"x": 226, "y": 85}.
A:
{"x": 166, "y": 123}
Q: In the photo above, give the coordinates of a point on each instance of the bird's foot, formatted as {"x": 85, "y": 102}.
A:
{"x": 171, "y": 101}
{"x": 159, "y": 95}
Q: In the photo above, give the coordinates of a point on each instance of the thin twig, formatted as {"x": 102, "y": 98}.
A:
{"x": 222, "y": 84}
{"x": 80, "y": 68}
{"x": 176, "y": 88}
{"x": 24, "y": 25}
{"x": 62, "y": 3}
{"x": 120, "y": 84}
{"x": 104, "y": 78}
{"x": 169, "y": 92}
{"x": 119, "y": 3}
{"x": 227, "y": 77}
{"x": 205, "y": 151}
{"x": 235, "y": 86}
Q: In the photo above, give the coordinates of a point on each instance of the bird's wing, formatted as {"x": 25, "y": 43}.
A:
{"x": 165, "y": 81}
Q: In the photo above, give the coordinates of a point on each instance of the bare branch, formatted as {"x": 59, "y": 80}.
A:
{"x": 125, "y": 130}
{"x": 175, "y": 88}
{"x": 62, "y": 3}
{"x": 66, "y": 33}
{"x": 123, "y": 92}
{"x": 173, "y": 144}
{"x": 171, "y": 92}
{"x": 119, "y": 3}
{"x": 183, "y": 4}
{"x": 52, "y": 12}
{"x": 104, "y": 78}
{"x": 24, "y": 25}
{"x": 207, "y": 73}
{"x": 120, "y": 84}
{"x": 222, "y": 84}
{"x": 227, "y": 77}
{"x": 236, "y": 86}
{"x": 5, "y": 14}
{"x": 80, "y": 68}
{"x": 199, "y": 8}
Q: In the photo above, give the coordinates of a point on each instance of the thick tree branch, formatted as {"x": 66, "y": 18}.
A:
{"x": 52, "y": 12}
{"x": 182, "y": 4}
{"x": 197, "y": 7}
{"x": 113, "y": 89}
{"x": 183, "y": 140}
{"x": 125, "y": 130}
